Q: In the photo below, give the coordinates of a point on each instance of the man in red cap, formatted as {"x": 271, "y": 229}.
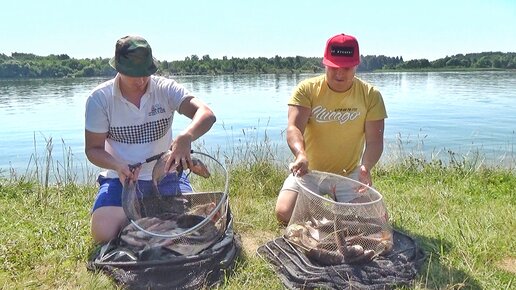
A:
{"x": 335, "y": 123}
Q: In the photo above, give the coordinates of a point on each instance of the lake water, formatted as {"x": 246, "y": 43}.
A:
{"x": 429, "y": 114}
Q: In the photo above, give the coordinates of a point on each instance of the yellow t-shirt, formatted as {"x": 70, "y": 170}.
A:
{"x": 335, "y": 133}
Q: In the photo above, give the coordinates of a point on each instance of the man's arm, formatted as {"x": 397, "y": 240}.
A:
{"x": 97, "y": 154}
{"x": 373, "y": 148}
{"x": 203, "y": 119}
{"x": 297, "y": 119}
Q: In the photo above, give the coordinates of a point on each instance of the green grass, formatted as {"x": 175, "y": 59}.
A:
{"x": 464, "y": 216}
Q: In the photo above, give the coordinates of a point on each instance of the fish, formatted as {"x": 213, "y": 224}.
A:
{"x": 314, "y": 232}
{"x": 294, "y": 232}
{"x": 355, "y": 228}
{"x": 205, "y": 210}
{"x": 340, "y": 239}
{"x": 382, "y": 244}
{"x": 161, "y": 225}
{"x": 309, "y": 241}
{"x": 187, "y": 248}
{"x": 361, "y": 239}
{"x": 349, "y": 250}
{"x": 323, "y": 225}
{"x": 353, "y": 251}
{"x": 188, "y": 244}
{"x": 130, "y": 201}
{"x": 387, "y": 247}
{"x": 133, "y": 242}
{"x": 302, "y": 236}
{"x": 158, "y": 172}
{"x": 147, "y": 221}
{"x": 196, "y": 166}
{"x": 199, "y": 168}
{"x": 325, "y": 257}
{"x": 366, "y": 256}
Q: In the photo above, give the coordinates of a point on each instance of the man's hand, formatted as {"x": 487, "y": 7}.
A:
{"x": 364, "y": 176}
{"x": 125, "y": 172}
{"x": 300, "y": 166}
{"x": 180, "y": 153}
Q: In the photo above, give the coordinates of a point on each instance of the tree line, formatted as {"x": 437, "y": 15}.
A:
{"x": 28, "y": 65}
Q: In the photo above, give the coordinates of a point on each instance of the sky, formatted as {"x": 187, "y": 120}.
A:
{"x": 238, "y": 28}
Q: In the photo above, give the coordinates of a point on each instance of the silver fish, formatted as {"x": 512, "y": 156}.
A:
{"x": 203, "y": 209}
{"x": 130, "y": 201}
{"x": 131, "y": 241}
{"x": 146, "y": 222}
{"x": 189, "y": 244}
{"x": 158, "y": 172}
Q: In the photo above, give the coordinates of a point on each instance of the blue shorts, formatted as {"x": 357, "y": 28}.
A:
{"x": 110, "y": 190}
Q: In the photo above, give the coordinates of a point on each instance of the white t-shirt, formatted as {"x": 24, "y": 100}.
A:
{"x": 135, "y": 134}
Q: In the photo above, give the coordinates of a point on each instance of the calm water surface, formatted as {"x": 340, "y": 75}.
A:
{"x": 429, "y": 114}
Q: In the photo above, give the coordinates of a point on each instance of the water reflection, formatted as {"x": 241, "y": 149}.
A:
{"x": 428, "y": 112}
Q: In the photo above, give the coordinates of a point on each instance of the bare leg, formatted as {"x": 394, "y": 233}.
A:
{"x": 285, "y": 205}
{"x": 106, "y": 223}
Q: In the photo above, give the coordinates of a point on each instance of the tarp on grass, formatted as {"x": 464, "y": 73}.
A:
{"x": 296, "y": 271}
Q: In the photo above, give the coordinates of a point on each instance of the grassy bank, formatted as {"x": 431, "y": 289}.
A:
{"x": 463, "y": 216}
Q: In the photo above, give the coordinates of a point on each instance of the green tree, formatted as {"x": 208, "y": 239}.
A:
{"x": 483, "y": 62}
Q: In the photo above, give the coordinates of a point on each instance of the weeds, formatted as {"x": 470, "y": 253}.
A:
{"x": 461, "y": 211}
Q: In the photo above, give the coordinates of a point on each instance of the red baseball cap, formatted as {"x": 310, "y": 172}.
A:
{"x": 341, "y": 51}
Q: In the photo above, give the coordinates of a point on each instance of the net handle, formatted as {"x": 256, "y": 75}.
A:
{"x": 223, "y": 200}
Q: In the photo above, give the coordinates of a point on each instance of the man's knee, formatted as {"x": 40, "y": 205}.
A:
{"x": 106, "y": 223}
{"x": 285, "y": 205}
{"x": 283, "y": 214}
{"x": 103, "y": 235}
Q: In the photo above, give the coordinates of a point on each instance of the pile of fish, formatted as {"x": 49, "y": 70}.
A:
{"x": 132, "y": 201}
{"x": 158, "y": 228}
{"x": 330, "y": 242}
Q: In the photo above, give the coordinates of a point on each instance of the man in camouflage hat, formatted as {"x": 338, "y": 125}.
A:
{"x": 133, "y": 57}
{"x": 128, "y": 119}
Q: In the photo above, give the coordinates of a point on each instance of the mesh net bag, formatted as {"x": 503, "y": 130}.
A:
{"x": 160, "y": 268}
{"x": 180, "y": 234}
{"x": 337, "y": 219}
{"x": 339, "y": 237}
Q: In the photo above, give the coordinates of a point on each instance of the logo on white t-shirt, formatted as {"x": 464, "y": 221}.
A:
{"x": 156, "y": 109}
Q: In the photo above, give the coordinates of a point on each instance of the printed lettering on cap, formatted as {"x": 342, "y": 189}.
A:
{"x": 342, "y": 50}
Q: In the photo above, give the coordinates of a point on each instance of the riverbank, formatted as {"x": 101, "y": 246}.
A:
{"x": 446, "y": 69}
{"x": 463, "y": 215}
{"x": 28, "y": 65}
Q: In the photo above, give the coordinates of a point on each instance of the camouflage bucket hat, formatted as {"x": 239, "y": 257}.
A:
{"x": 133, "y": 57}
